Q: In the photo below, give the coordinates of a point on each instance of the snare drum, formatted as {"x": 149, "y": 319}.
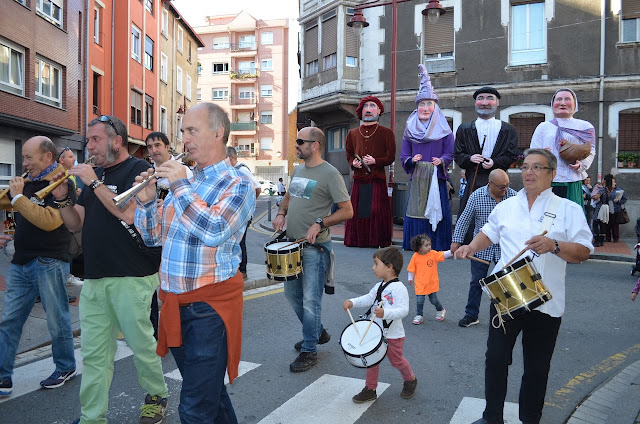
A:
{"x": 516, "y": 289}
{"x": 284, "y": 259}
{"x": 373, "y": 348}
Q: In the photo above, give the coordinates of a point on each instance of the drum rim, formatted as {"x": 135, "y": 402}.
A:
{"x": 278, "y": 252}
{"x": 382, "y": 340}
{"x": 499, "y": 274}
{"x": 287, "y": 278}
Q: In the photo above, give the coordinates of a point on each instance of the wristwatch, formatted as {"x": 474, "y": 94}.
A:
{"x": 94, "y": 184}
{"x": 557, "y": 249}
{"x": 320, "y": 223}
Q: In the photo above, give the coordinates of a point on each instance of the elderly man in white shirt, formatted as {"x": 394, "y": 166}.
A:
{"x": 515, "y": 223}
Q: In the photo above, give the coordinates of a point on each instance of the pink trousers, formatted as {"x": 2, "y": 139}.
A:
{"x": 394, "y": 353}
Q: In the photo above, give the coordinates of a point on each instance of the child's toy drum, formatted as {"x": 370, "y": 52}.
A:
{"x": 371, "y": 351}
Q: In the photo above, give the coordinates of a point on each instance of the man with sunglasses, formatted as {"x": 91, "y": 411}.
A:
{"x": 120, "y": 273}
{"x": 315, "y": 186}
{"x": 477, "y": 211}
{"x": 515, "y": 223}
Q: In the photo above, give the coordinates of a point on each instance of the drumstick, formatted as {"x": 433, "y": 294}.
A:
{"x": 482, "y": 261}
{"x": 292, "y": 243}
{"x": 370, "y": 322}
{"x": 522, "y": 251}
{"x": 353, "y": 322}
{"x": 274, "y": 233}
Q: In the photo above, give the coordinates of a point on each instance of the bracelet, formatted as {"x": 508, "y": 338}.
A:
{"x": 280, "y": 213}
{"x": 63, "y": 203}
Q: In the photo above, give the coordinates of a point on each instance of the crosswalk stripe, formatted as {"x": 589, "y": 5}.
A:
{"x": 470, "y": 410}
{"x": 27, "y": 378}
{"x": 243, "y": 368}
{"x": 326, "y": 400}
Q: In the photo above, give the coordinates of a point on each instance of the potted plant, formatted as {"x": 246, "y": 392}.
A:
{"x": 518, "y": 162}
{"x": 631, "y": 160}
{"x": 621, "y": 159}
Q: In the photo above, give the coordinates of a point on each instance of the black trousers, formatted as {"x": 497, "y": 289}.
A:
{"x": 243, "y": 249}
{"x": 539, "y": 333}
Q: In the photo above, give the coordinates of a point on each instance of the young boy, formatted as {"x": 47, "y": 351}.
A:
{"x": 387, "y": 264}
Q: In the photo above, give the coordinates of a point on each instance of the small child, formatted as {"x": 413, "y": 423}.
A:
{"x": 423, "y": 269}
{"x": 634, "y": 292}
{"x": 387, "y": 264}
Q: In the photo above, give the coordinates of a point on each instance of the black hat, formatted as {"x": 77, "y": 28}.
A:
{"x": 489, "y": 90}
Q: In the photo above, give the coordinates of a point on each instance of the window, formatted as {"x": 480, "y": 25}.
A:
{"x": 48, "y": 82}
{"x": 351, "y": 61}
{"x": 199, "y": 69}
{"x": 330, "y": 61}
{"x": 163, "y": 119}
{"x": 246, "y": 93}
{"x": 165, "y": 22}
{"x": 163, "y": 67}
{"x": 247, "y": 68}
{"x": 630, "y": 30}
{"x": 266, "y": 143}
{"x": 198, "y": 94}
{"x": 51, "y": 10}
{"x": 179, "y": 127}
{"x": 247, "y": 42}
{"x": 220, "y": 68}
{"x": 220, "y": 43}
{"x": 135, "y": 43}
{"x": 220, "y": 94}
{"x": 528, "y": 34}
{"x": 266, "y": 65}
{"x": 188, "y": 93}
{"x": 148, "y": 112}
{"x": 312, "y": 68}
{"x": 179, "y": 79}
{"x": 438, "y": 43}
{"x": 148, "y": 53}
{"x": 525, "y": 124}
{"x": 336, "y": 138}
{"x": 96, "y": 25}
{"x": 148, "y": 4}
{"x": 266, "y": 90}
{"x": 11, "y": 68}
{"x": 628, "y": 130}
{"x": 188, "y": 50}
{"x": 266, "y": 38}
{"x": 266, "y": 117}
{"x": 136, "y": 108}
{"x": 180, "y": 32}
{"x": 311, "y": 48}
{"x": 97, "y": 82}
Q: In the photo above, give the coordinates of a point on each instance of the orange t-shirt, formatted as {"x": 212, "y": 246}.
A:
{"x": 425, "y": 270}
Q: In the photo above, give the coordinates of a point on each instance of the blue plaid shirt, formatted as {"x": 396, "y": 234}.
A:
{"x": 479, "y": 207}
{"x": 200, "y": 226}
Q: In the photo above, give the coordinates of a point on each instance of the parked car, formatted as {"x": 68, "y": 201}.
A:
{"x": 268, "y": 187}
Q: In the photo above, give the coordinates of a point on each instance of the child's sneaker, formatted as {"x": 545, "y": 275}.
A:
{"x": 409, "y": 388}
{"x": 366, "y": 395}
{"x": 440, "y": 314}
{"x": 417, "y": 320}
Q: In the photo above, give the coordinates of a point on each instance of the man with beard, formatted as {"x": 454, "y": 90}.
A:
{"x": 370, "y": 148}
{"x": 484, "y": 144}
{"x": 315, "y": 186}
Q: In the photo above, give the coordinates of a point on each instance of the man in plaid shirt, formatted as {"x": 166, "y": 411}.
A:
{"x": 479, "y": 206}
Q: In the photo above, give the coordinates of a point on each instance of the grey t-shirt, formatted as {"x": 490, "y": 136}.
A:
{"x": 312, "y": 193}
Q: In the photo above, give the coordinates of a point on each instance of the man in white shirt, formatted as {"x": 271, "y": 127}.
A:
{"x": 232, "y": 154}
{"x": 515, "y": 223}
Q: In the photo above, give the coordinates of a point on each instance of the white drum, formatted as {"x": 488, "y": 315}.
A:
{"x": 373, "y": 348}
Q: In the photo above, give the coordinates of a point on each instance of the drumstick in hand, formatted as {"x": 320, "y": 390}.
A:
{"x": 370, "y": 322}
{"x": 522, "y": 251}
{"x": 274, "y": 233}
{"x": 353, "y": 322}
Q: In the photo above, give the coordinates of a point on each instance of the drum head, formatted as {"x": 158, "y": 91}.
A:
{"x": 350, "y": 340}
{"x": 277, "y": 247}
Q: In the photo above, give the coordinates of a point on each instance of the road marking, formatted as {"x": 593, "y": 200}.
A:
{"x": 606, "y": 261}
{"x": 243, "y": 368}
{"x": 326, "y": 400}
{"x": 470, "y": 410}
{"x": 263, "y": 291}
{"x": 26, "y": 379}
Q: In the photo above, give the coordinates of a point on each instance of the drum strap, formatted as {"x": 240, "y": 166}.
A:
{"x": 550, "y": 214}
{"x": 378, "y": 299}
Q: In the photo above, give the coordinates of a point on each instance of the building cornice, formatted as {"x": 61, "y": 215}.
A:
{"x": 16, "y": 121}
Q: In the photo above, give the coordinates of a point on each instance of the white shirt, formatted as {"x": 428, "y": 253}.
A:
{"x": 511, "y": 223}
{"x": 244, "y": 169}
{"x": 395, "y": 302}
{"x": 490, "y": 128}
{"x": 164, "y": 182}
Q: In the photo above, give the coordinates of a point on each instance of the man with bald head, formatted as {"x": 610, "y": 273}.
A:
{"x": 39, "y": 266}
{"x": 481, "y": 203}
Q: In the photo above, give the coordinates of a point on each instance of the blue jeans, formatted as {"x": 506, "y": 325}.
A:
{"x": 305, "y": 293}
{"x": 433, "y": 298}
{"x": 45, "y": 277}
{"x": 478, "y": 272}
{"x": 202, "y": 361}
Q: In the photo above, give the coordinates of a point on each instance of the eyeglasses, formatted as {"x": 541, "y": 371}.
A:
{"x": 534, "y": 168}
{"x": 300, "y": 141}
{"x": 105, "y": 118}
{"x": 499, "y": 187}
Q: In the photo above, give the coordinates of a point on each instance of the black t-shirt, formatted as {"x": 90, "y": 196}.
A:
{"x": 32, "y": 242}
{"x": 112, "y": 248}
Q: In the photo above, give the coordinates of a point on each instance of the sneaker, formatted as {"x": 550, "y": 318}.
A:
{"x": 366, "y": 395}
{"x": 57, "y": 379}
{"x": 440, "y": 314}
{"x": 467, "y": 321}
{"x": 417, "y": 320}
{"x": 72, "y": 298}
{"x": 304, "y": 362}
{"x": 6, "y": 386}
{"x": 153, "y": 410}
{"x": 76, "y": 421}
{"x": 409, "y": 388}
{"x": 324, "y": 338}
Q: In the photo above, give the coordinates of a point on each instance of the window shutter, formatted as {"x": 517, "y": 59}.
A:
{"x": 525, "y": 125}
{"x": 330, "y": 36}
{"x": 630, "y": 9}
{"x": 438, "y": 38}
{"x": 629, "y": 128}
{"x": 311, "y": 44}
{"x": 351, "y": 42}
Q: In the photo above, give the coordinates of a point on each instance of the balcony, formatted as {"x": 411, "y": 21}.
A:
{"x": 242, "y": 47}
{"x": 244, "y": 126}
{"x": 243, "y": 76}
{"x": 246, "y": 154}
{"x": 242, "y": 103}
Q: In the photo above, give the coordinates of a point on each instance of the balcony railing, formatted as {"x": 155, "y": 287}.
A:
{"x": 241, "y": 47}
{"x": 243, "y": 74}
{"x": 235, "y": 100}
{"x": 246, "y": 154}
{"x": 244, "y": 126}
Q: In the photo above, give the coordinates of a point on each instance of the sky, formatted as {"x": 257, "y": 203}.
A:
{"x": 195, "y": 11}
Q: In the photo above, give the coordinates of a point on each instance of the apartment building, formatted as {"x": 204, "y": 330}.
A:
{"x": 42, "y": 78}
{"x": 525, "y": 48}
{"x": 244, "y": 69}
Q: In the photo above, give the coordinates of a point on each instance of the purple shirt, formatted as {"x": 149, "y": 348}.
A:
{"x": 442, "y": 149}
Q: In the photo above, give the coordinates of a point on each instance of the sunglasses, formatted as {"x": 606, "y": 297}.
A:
{"x": 300, "y": 141}
{"x": 105, "y": 118}
{"x": 66, "y": 149}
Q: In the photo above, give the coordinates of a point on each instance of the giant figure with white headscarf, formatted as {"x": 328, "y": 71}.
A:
{"x": 427, "y": 151}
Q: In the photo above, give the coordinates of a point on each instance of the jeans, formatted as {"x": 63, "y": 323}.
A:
{"x": 305, "y": 293}
{"x": 45, "y": 277}
{"x": 478, "y": 272}
{"x": 202, "y": 361}
{"x": 433, "y": 298}
{"x": 243, "y": 248}
{"x": 396, "y": 358}
{"x": 539, "y": 333}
